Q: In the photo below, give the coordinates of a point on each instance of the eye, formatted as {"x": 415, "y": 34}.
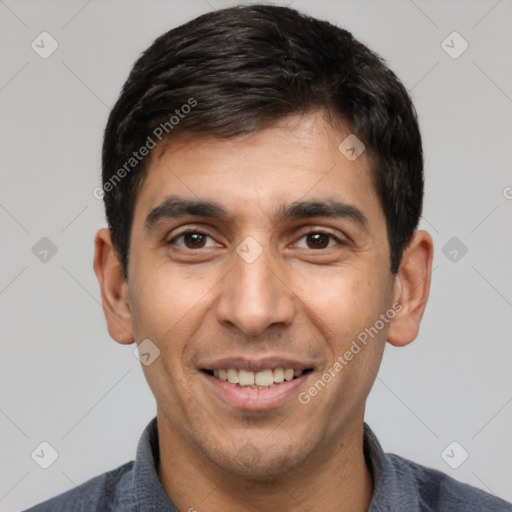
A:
{"x": 317, "y": 240}
{"x": 193, "y": 240}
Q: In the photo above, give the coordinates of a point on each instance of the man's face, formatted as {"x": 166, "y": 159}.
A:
{"x": 283, "y": 268}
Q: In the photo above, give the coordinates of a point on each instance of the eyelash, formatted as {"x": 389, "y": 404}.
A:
{"x": 207, "y": 233}
{"x": 187, "y": 232}
{"x": 317, "y": 231}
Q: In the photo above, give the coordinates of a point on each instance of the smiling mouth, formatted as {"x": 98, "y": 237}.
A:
{"x": 262, "y": 379}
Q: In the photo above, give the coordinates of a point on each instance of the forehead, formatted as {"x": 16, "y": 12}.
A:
{"x": 297, "y": 158}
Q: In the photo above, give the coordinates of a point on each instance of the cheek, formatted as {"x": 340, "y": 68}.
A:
{"x": 167, "y": 304}
{"x": 346, "y": 307}
{"x": 343, "y": 301}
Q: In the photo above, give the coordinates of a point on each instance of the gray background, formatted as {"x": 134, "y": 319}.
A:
{"x": 64, "y": 381}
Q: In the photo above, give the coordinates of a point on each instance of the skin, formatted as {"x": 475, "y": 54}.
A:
{"x": 295, "y": 300}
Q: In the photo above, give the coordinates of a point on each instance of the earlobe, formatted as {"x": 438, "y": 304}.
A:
{"x": 113, "y": 287}
{"x": 411, "y": 289}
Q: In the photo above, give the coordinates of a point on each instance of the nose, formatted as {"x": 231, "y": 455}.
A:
{"x": 255, "y": 296}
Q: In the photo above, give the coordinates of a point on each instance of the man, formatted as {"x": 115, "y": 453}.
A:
{"x": 262, "y": 178}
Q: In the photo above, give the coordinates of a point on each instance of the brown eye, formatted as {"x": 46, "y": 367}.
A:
{"x": 318, "y": 240}
{"x": 193, "y": 240}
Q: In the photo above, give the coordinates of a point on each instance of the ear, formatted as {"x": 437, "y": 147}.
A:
{"x": 411, "y": 289}
{"x": 114, "y": 288}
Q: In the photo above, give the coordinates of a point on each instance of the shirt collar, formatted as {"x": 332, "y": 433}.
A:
{"x": 390, "y": 487}
{"x": 147, "y": 489}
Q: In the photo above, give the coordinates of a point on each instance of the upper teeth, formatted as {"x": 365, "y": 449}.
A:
{"x": 263, "y": 378}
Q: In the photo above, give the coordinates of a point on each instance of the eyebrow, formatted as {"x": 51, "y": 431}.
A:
{"x": 322, "y": 208}
{"x": 174, "y": 207}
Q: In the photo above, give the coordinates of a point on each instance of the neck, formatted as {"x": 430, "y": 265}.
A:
{"x": 335, "y": 479}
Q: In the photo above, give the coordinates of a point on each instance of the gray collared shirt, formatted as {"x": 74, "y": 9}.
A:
{"x": 399, "y": 486}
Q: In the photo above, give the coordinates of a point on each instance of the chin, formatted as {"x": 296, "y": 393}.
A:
{"x": 259, "y": 462}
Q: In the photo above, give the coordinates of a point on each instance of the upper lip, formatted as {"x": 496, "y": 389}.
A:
{"x": 255, "y": 365}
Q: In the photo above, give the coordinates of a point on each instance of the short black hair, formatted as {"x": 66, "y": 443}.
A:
{"x": 238, "y": 70}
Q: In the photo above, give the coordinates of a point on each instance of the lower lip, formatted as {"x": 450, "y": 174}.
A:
{"x": 255, "y": 399}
